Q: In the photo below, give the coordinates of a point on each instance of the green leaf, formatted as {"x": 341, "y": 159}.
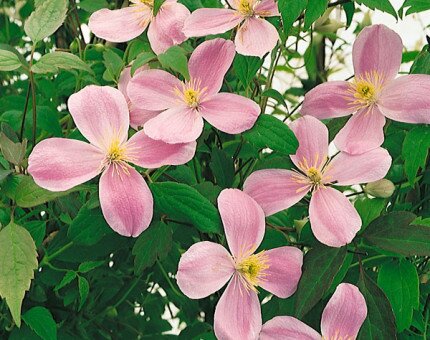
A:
{"x": 12, "y": 152}
{"x": 222, "y": 168}
{"x": 183, "y": 203}
{"x": 320, "y": 266}
{"x": 152, "y": 245}
{"x": 270, "y": 132}
{"x": 28, "y": 194}
{"x": 46, "y": 19}
{"x": 84, "y": 289}
{"x": 379, "y": 323}
{"x": 19, "y": 261}
{"x": 40, "y": 320}
{"x": 246, "y": 68}
{"x": 9, "y": 61}
{"x": 86, "y": 267}
{"x": 142, "y": 59}
{"x": 382, "y": 5}
{"x": 53, "y": 62}
{"x": 92, "y": 6}
{"x": 175, "y": 58}
{"x": 114, "y": 64}
{"x": 275, "y": 94}
{"x": 396, "y": 232}
{"x": 415, "y": 6}
{"x": 369, "y": 209}
{"x": 421, "y": 63}
{"x": 157, "y": 5}
{"x": 314, "y": 10}
{"x": 290, "y": 11}
{"x": 399, "y": 280}
{"x": 68, "y": 277}
{"x": 415, "y": 151}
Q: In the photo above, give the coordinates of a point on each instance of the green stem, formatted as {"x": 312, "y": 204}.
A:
{"x": 376, "y": 257}
{"x": 169, "y": 281}
{"x": 48, "y": 258}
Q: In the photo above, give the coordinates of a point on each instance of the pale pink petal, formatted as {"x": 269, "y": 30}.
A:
{"x": 347, "y": 169}
{"x": 154, "y": 90}
{"x": 230, "y": 112}
{"x": 406, "y": 99}
{"x": 238, "y": 313}
{"x": 363, "y": 132}
{"x": 287, "y": 328}
{"x": 165, "y": 29}
{"x": 178, "y": 125}
{"x": 125, "y": 200}
{"x": 125, "y": 77}
{"x": 267, "y": 8}
{"x": 208, "y": 21}
{"x": 101, "y": 114}
{"x": 313, "y": 141}
{"x": 334, "y": 220}
{"x": 151, "y": 154}
{"x": 377, "y": 49}
{"x": 204, "y": 269}
{"x": 138, "y": 117}
{"x": 344, "y": 313}
{"x": 210, "y": 62}
{"x": 275, "y": 189}
{"x": 256, "y": 37}
{"x": 284, "y": 272}
{"x": 59, "y": 164}
{"x": 120, "y": 25}
{"x": 328, "y": 100}
{"x": 243, "y": 221}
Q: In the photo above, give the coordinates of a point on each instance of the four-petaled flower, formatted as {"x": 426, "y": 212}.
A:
{"x": 374, "y": 93}
{"x": 254, "y": 37}
{"x": 185, "y": 104}
{"x": 334, "y": 220}
{"x": 206, "y": 267}
{"x": 341, "y": 319}
{"x": 121, "y": 25}
{"x": 101, "y": 114}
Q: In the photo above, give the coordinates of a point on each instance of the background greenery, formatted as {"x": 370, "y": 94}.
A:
{"x": 92, "y": 283}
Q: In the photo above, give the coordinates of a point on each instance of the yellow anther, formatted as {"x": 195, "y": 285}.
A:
{"x": 365, "y": 90}
{"x": 246, "y": 7}
{"x": 191, "y": 97}
{"x": 252, "y": 269}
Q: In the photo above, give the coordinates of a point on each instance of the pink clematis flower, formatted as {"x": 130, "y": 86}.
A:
{"x": 138, "y": 116}
{"x": 334, "y": 220}
{"x": 101, "y": 115}
{"x": 255, "y": 36}
{"x": 185, "y": 104}
{"x": 206, "y": 267}
{"x": 121, "y": 25}
{"x": 341, "y": 319}
{"x": 374, "y": 93}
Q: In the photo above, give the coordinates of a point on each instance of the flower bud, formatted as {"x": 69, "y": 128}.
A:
{"x": 382, "y": 188}
{"x": 326, "y": 25}
{"x": 299, "y": 224}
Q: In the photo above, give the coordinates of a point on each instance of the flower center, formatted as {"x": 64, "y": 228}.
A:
{"x": 314, "y": 175}
{"x": 252, "y": 269}
{"x": 118, "y": 154}
{"x": 191, "y": 97}
{"x": 191, "y": 93}
{"x": 365, "y": 89}
{"x": 149, "y": 3}
{"x": 246, "y": 7}
{"x": 337, "y": 336}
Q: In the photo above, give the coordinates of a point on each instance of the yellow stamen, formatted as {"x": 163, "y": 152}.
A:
{"x": 246, "y": 7}
{"x": 191, "y": 93}
{"x": 149, "y": 3}
{"x": 337, "y": 336}
{"x": 365, "y": 89}
{"x": 252, "y": 269}
{"x": 315, "y": 175}
{"x": 118, "y": 155}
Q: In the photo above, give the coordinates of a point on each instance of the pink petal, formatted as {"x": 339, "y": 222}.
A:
{"x": 208, "y": 21}
{"x": 154, "y": 90}
{"x": 334, "y": 221}
{"x": 230, "y": 112}
{"x": 210, "y": 62}
{"x": 256, "y": 37}
{"x": 287, "y": 328}
{"x": 347, "y": 169}
{"x": 125, "y": 77}
{"x": 274, "y": 189}
{"x": 377, "y": 48}
{"x": 178, "y": 125}
{"x": 267, "y": 8}
{"x": 243, "y": 221}
{"x": 59, "y": 164}
{"x": 363, "y": 132}
{"x": 120, "y": 25}
{"x": 204, "y": 269}
{"x": 238, "y": 313}
{"x": 284, "y": 272}
{"x": 233, "y": 3}
{"x": 125, "y": 200}
{"x": 165, "y": 29}
{"x": 328, "y": 100}
{"x": 313, "y": 141}
{"x": 344, "y": 313}
{"x": 101, "y": 114}
{"x": 151, "y": 154}
{"x": 406, "y": 99}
